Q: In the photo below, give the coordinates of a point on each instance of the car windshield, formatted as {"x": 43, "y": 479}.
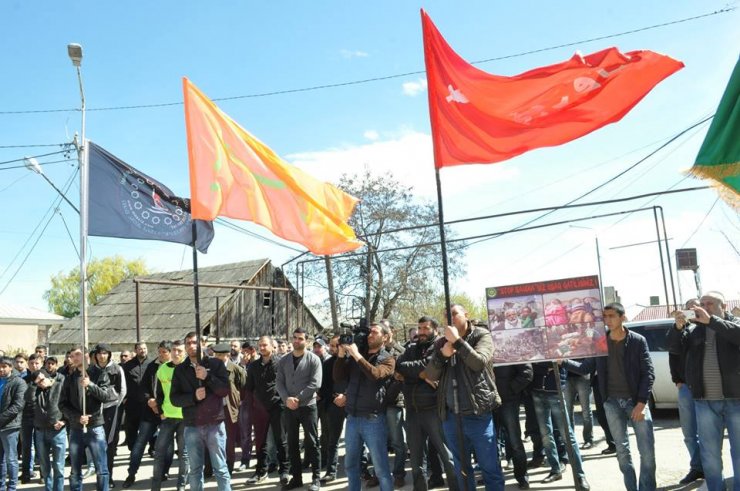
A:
{"x": 655, "y": 335}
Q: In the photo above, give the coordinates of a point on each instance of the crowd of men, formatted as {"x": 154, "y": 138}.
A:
{"x": 438, "y": 400}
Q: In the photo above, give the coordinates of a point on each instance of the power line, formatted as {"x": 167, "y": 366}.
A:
{"x": 40, "y": 163}
{"x": 249, "y": 233}
{"x": 33, "y": 157}
{"x": 385, "y": 77}
{"x": 34, "y": 146}
{"x": 701, "y": 223}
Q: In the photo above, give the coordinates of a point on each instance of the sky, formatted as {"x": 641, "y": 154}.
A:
{"x": 135, "y": 53}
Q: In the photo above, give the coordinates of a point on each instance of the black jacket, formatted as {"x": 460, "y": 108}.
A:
{"x": 27, "y": 418}
{"x": 512, "y": 380}
{"x": 134, "y": 371}
{"x": 418, "y": 394}
{"x": 11, "y": 408}
{"x": 367, "y": 380}
{"x": 182, "y": 394}
{"x": 261, "y": 381}
{"x": 98, "y": 392}
{"x": 544, "y": 378}
{"x": 690, "y": 343}
{"x": 638, "y": 368}
{"x": 149, "y": 383}
{"x": 46, "y": 412}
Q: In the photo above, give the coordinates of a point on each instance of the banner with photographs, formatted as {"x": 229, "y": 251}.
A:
{"x": 547, "y": 320}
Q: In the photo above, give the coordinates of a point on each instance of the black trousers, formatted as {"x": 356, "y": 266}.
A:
{"x": 336, "y": 416}
{"x": 423, "y": 426}
{"x": 307, "y": 418}
{"x": 269, "y": 423}
{"x": 111, "y": 427}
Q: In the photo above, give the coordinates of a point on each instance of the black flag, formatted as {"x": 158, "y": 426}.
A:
{"x": 126, "y": 203}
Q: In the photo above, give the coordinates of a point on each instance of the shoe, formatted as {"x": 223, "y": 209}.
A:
{"x": 328, "y": 478}
{"x": 293, "y": 484}
{"x": 552, "y": 477}
{"x": 90, "y": 471}
{"x": 609, "y": 450}
{"x": 258, "y": 477}
{"x": 535, "y": 462}
{"x": 523, "y": 483}
{"x": 111, "y": 484}
{"x": 692, "y": 476}
{"x": 505, "y": 464}
{"x": 284, "y": 479}
{"x": 165, "y": 477}
{"x": 365, "y": 476}
{"x": 315, "y": 484}
{"x": 586, "y": 445}
{"x": 582, "y": 484}
{"x": 436, "y": 483}
{"x": 25, "y": 479}
{"x": 129, "y": 481}
{"x": 241, "y": 468}
{"x": 181, "y": 487}
{"x": 399, "y": 482}
{"x": 372, "y": 482}
{"x": 563, "y": 465}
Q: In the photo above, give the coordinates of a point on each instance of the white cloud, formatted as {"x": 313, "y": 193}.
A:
{"x": 413, "y": 89}
{"x": 350, "y": 53}
{"x": 371, "y": 135}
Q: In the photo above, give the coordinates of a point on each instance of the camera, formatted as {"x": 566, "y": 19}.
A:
{"x": 354, "y": 334}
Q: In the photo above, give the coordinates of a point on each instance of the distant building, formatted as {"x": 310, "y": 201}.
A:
{"x": 661, "y": 311}
{"x": 24, "y": 328}
{"x": 167, "y": 312}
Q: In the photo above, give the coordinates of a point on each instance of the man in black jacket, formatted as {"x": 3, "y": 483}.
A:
{"x": 12, "y": 390}
{"x": 332, "y": 397}
{"x": 423, "y": 426}
{"x": 135, "y": 403}
{"x": 44, "y": 393}
{"x": 111, "y": 410}
{"x": 712, "y": 351}
{"x": 95, "y": 388}
{"x": 199, "y": 387}
{"x": 511, "y": 381}
{"x": 267, "y": 412}
{"x": 35, "y": 362}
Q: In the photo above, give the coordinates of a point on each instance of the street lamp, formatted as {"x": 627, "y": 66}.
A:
{"x": 74, "y": 51}
{"x": 598, "y": 257}
{"x": 33, "y": 165}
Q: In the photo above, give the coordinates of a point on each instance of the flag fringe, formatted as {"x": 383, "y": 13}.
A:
{"x": 714, "y": 175}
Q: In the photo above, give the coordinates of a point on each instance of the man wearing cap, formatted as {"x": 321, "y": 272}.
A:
{"x": 199, "y": 386}
{"x": 232, "y": 402}
{"x": 111, "y": 409}
{"x": 171, "y": 425}
{"x": 43, "y": 393}
{"x": 81, "y": 400}
{"x": 12, "y": 390}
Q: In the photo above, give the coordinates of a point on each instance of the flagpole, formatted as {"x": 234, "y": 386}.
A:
{"x": 196, "y": 293}
{"x": 74, "y": 52}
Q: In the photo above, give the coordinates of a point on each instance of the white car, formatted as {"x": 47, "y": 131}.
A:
{"x": 665, "y": 393}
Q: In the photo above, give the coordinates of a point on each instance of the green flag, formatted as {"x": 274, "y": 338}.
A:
{"x": 719, "y": 156}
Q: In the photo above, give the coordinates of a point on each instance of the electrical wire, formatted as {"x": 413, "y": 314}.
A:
{"x": 11, "y": 184}
{"x": 700, "y": 223}
{"x": 33, "y": 157}
{"x": 386, "y": 77}
{"x": 40, "y": 163}
{"x": 237, "y": 228}
{"x": 34, "y": 146}
{"x": 69, "y": 234}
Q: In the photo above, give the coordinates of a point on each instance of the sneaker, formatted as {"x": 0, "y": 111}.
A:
{"x": 552, "y": 477}
{"x": 315, "y": 484}
{"x": 586, "y": 445}
{"x": 242, "y": 467}
{"x": 293, "y": 484}
{"x": 328, "y": 478}
{"x": 90, "y": 471}
{"x": 111, "y": 484}
{"x": 129, "y": 481}
{"x": 284, "y": 479}
{"x": 258, "y": 477}
{"x": 692, "y": 476}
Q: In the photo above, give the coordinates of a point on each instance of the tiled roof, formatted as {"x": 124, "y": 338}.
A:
{"x": 661, "y": 311}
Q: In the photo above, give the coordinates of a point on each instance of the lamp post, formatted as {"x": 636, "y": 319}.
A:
{"x": 598, "y": 257}
{"x": 33, "y": 165}
{"x": 74, "y": 51}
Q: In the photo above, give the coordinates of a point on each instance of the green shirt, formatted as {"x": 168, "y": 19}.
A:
{"x": 164, "y": 375}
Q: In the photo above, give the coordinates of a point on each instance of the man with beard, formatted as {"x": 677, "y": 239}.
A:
{"x": 394, "y": 413}
{"x": 267, "y": 412}
{"x": 135, "y": 402}
{"x": 423, "y": 426}
{"x": 333, "y": 400}
{"x": 237, "y": 381}
{"x": 235, "y": 354}
{"x": 111, "y": 409}
{"x": 366, "y": 416}
{"x": 298, "y": 379}
{"x": 199, "y": 386}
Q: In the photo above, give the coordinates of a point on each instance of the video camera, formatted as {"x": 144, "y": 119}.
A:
{"x": 355, "y": 334}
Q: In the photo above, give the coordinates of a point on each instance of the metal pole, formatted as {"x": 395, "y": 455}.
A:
{"x": 598, "y": 261}
{"x": 196, "y": 293}
{"x": 668, "y": 258}
{"x": 138, "y": 312}
{"x": 662, "y": 265}
{"x": 368, "y": 283}
{"x": 332, "y": 299}
{"x": 564, "y": 424}
{"x": 218, "y": 323}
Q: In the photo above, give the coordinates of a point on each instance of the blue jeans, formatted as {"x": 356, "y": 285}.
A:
{"x": 9, "y": 466}
{"x": 687, "y": 417}
{"x": 94, "y": 439}
{"x": 52, "y": 470}
{"x": 547, "y": 407}
{"x": 712, "y": 417}
{"x": 164, "y": 452}
{"x": 145, "y": 433}
{"x": 212, "y": 438}
{"x": 394, "y": 418}
{"x": 479, "y": 435}
{"x": 581, "y": 386}
{"x": 373, "y": 432}
{"x": 618, "y": 413}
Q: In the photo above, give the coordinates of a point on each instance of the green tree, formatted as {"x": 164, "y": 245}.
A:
{"x": 102, "y": 275}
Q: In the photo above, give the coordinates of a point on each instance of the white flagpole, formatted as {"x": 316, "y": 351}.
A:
{"x": 75, "y": 53}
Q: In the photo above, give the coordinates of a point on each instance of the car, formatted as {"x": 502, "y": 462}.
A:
{"x": 665, "y": 393}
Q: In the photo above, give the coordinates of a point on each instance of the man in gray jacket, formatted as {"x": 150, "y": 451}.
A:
{"x": 12, "y": 390}
{"x": 298, "y": 379}
{"x": 43, "y": 393}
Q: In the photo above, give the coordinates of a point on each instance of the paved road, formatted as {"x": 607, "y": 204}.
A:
{"x": 601, "y": 471}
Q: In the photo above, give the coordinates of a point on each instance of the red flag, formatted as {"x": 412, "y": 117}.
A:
{"x": 481, "y": 118}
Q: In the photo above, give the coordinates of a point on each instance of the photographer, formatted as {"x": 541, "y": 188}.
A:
{"x": 366, "y": 420}
{"x": 466, "y": 396}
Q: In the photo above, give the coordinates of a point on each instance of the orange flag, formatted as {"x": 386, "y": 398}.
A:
{"x": 235, "y": 175}
{"x": 480, "y": 118}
